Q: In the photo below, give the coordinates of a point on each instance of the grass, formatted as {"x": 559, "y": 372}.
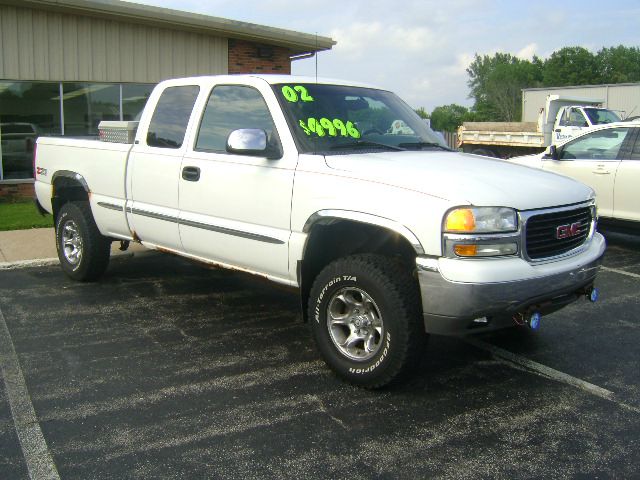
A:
{"x": 22, "y": 215}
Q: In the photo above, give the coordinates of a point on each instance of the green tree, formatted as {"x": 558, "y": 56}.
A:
{"x": 619, "y": 64}
{"x": 448, "y": 118}
{"x": 496, "y": 84}
{"x": 571, "y": 66}
{"x": 422, "y": 113}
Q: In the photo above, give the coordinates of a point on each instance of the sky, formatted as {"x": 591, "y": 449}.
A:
{"x": 420, "y": 49}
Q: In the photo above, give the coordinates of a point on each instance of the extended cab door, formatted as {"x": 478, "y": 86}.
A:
{"x": 154, "y": 168}
{"x": 593, "y": 159}
{"x": 235, "y": 209}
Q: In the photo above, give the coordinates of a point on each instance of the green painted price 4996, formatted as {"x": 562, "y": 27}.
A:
{"x": 333, "y": 128}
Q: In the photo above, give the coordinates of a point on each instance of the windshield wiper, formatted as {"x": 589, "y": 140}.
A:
{"x": 408, "y": 145}
{"x": 364, "y": 144}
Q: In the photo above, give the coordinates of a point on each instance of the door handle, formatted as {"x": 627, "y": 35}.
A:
{"x": 601, "y": 170}
{"x": 191, "y": 174}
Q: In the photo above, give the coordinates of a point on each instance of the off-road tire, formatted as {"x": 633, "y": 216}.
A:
{"x": 387, "y": 290}
{"x": 82, "y": 250}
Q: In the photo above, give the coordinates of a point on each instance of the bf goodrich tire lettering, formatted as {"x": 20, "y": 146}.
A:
{"x": 365, "y": 319}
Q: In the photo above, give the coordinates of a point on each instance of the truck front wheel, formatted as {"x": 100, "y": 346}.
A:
{"x": 82, "y": 250}
{"x": 366, "y": 320}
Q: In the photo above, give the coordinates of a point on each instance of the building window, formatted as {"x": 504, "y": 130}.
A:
{"x": 27, "y": 110}
{"x": 87, "y": 104}
{"x": 134, "y": 98}
{"x": 32, "y": 109}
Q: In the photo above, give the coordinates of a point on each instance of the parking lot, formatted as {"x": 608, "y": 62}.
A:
{"x": 169, "y": 369}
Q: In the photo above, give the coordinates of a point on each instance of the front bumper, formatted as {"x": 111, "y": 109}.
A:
{"x": 455, "y": 307}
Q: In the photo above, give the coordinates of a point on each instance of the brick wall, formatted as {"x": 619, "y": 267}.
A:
{"x": 248, "y": 57}
{"x": 15, "y": 191}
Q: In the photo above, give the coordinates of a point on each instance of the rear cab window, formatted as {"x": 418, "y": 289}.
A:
{"x": 170, "y": 119}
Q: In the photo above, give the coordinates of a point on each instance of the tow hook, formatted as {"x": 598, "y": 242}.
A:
{"x": 592, "y": 294}
{"x": 533, "y": 320}
{"x": 124, "y": 244}
{"x": 530, "y": 318}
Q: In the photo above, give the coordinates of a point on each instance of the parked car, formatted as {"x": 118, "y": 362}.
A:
{"x": 607, "y": 159}
{"x": 17, "y": 140}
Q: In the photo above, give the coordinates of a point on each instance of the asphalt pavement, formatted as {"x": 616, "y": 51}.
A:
{"x": 168, "y": 369}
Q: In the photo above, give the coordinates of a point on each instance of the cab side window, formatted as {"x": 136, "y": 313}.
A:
{"x": 635, "y": 153}
{"x": 576, "y": 119}
{"x": 601, "y": 145}
{"x": 171, "y": 116}
{"x": 232, "y": 107}
{"x": 564, "y": 120}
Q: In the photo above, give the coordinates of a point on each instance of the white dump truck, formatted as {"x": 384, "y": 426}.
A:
{"x": 560, "y": 119}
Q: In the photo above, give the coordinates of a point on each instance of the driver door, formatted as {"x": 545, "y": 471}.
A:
{"x": 235, "y": 209}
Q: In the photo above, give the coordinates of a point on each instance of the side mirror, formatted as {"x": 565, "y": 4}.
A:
{"x": 252, "y": 141}
{"x": 551, "y": 152}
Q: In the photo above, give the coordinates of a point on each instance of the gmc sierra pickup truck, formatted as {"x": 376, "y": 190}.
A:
{"x": 337, "y": 189}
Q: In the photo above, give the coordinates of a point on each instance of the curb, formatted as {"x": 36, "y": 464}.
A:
{"x": 38, "y": 262}
{"x": 46, "y": 262}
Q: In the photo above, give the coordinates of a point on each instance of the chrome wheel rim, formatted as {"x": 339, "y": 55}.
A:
{"x": 355, "y": 324}
{"x": 71, "y": 242}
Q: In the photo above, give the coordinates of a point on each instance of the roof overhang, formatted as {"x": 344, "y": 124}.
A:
{"x": 129, "y": 12}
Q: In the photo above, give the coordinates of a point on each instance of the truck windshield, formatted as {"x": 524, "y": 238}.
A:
{"x": 599, "y": 116}
{"x": 337, "y": 119}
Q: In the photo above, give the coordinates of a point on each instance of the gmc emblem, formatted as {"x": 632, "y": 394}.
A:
{"x": 566, "y": 231}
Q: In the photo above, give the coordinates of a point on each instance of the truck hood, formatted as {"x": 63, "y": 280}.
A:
{"x": 533, "y": 161}
{"x": 464, "y": 179}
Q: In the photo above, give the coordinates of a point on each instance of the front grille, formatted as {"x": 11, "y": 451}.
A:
{"x": 542, "y": 232}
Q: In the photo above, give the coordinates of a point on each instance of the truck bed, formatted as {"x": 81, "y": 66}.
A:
{"x": 103, "y": 167}
{"x": 509, "y": 134}
{"x": 502, "y": 126}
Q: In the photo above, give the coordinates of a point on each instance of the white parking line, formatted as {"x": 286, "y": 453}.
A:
{"x": 34, "y": 447}
{"x": 621, "y": 272}
{"x": 548, "y": 372}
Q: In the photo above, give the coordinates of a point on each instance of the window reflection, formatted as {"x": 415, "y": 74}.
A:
{"x": 27, "y": 110}
{"x": 171, "y": 116}
{"x": 134, "y": 98}
{"x": 230, "y": 108}
{"x": 87, "y": 104}
{"x": 32, "y": 109}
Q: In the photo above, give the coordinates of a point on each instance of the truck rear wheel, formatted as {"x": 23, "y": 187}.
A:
{"x": 485, "y": 152}
{"x": 366, "y": 320}
{"x": 82, "y": 250}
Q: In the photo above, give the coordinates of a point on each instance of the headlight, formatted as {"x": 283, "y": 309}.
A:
{"x": 481, "y": 220}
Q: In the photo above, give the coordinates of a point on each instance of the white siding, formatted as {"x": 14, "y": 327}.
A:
{"x": 43, "y": 45}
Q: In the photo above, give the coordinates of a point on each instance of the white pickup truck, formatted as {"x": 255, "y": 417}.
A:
{"x": 560, "y": 119}
{"x": 387, "y": 234}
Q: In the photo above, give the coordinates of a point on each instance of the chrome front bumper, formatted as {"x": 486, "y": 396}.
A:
{"x": 455, "y": 307}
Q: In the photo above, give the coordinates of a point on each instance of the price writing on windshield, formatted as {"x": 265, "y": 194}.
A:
{"x": 295, "y": 93}
{"x": 333, "y": 128}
